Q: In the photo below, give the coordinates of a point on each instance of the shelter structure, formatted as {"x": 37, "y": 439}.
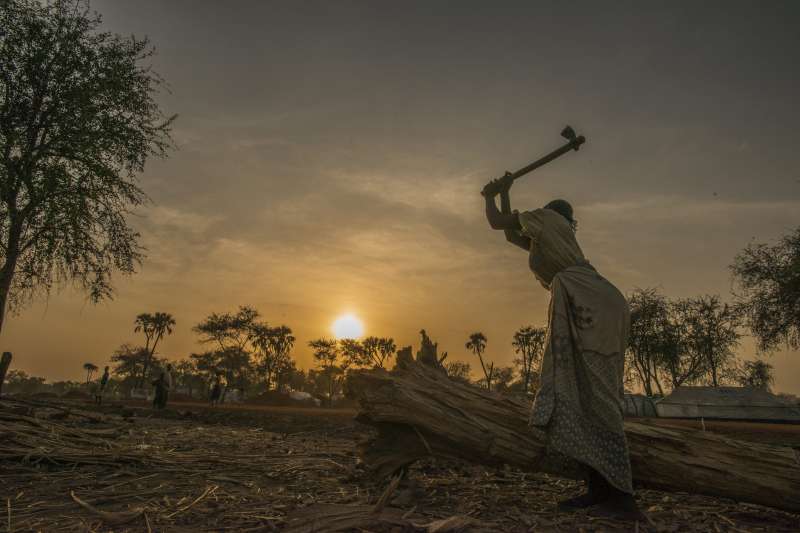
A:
{"x": 727, "y": 403}
{"x": 639, "y": 405}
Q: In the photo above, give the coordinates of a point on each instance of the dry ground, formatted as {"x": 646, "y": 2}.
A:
{"x": 252, "y": 468}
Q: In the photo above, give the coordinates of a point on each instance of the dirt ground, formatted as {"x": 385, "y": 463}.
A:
{"x": 255, "y": 468}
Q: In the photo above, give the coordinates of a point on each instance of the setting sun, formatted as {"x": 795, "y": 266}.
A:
{"x": 348, "y": 327}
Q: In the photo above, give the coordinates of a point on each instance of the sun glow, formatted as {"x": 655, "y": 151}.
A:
{"x": 348, "y": 327}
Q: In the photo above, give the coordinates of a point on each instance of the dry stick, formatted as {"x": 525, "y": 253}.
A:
{"x": 113, "y": 519}
{"x": 208, "y": 491}
{"x": 384, "y": 499}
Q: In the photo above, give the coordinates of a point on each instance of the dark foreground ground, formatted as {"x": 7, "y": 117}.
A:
{"x": 257, "y": 468}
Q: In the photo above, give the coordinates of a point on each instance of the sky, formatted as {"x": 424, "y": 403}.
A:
{"x": 329, "y": 158}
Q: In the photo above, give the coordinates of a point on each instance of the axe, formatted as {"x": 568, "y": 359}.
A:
{"x": 574, "y": 143}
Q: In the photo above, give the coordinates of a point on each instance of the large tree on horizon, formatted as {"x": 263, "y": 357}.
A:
{"x": 711, "y": 334}
{"x": 273, "y": 346}
{"x": 767, "y": 279}
{"x": 528, "y": 343}
{"x": 232, "y": 333}
{"x": 154, "y": 326}
{"x": 78, "y": 121}
{"x": 477, "y": 345}
{"x": 327, "y": 353}
{"x": 90, "y": 368}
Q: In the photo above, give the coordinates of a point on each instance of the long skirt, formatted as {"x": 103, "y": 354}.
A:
{"x": 580, "y": 401}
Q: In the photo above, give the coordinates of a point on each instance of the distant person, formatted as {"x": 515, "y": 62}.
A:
{"x": 580, "y": 401}
{"x": 216, "y": 391}
{"x": 167, "y": 385}
{"x": 158, "y": 386}
{"x": 162, "y": 384}
{"x": 5, "y": 362}
{"x": 101, "y": 387}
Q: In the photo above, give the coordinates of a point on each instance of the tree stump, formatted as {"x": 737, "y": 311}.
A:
{"x": 419, "y": 412}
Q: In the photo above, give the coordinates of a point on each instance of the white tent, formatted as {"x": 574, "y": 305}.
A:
{"x": 731, "y": 403}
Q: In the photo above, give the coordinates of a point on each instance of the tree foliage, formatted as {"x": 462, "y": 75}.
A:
{"x": 78, "y": 121}
{"x": 680, "y": 342}
{"x": 477, "y": 345}
{"x": 767, "y": 279}
{"x": 649, "y": 320}
{"x": 273, "y": 346}
{"x": 528, "y": 343}
{"x": 154, "y": 327}
{"x": 372, "y": 352}
{"x": 459, "y": 370}
{"x": 90, "y": 368}
{"x": 327, "y": 353}
{"x": 711, "y": 334}
{"x": 757, "y": 374}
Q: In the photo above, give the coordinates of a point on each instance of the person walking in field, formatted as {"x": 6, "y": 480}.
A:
{"x": 101, "y": 387}
{"x": 163, "y": 384}
{"x": 579, "y": 405}
{"x": 216, "y": 391}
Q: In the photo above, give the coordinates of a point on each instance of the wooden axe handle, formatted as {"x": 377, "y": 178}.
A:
{"x": 571, "y": 145}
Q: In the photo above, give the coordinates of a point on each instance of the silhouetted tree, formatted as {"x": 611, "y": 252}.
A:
{"x": 353, "y": 351}
{"x": 129, "y": 363}
{"x": 710, "y": 333}
{"x": 78, "y": 120}
{"x": 233, "y": 334}
{"x": 228, "y": 330}
{"x": 90, "y": 368}
{"x": 528, "y": 343}
{"x": 237, "y": 366}
{"x": 188, "y": 376}
{"x": 377, "y": 350}
{"x": 154, "y": 326}
{"x": 206, "y": 364}
{"x": 768, "y": 282}
{"x": 272, "y": 346}
{"x": 477, "y": 344}
{"x": 19, "y": 382}
{"x": 459, "y": 371}
{"x": 757, "y": 374}
{"x": 502, "y": 378}
{"x": 677, "y": 363}
{"x": 649, "y": 318}
{"x": 327, "y": 353}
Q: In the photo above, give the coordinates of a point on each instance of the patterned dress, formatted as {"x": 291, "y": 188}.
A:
{"x": 579, "y": 404}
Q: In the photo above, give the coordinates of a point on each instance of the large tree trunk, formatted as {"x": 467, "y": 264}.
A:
{"x": 420, "y": 412}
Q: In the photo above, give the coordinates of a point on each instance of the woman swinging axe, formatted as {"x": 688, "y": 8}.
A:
{"x": 579, "y": 403}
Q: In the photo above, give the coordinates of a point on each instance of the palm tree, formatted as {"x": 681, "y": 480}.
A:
{"x": 154, "y": 327}
{"x": 90, "y": 368}
{"x": 477, "y": 345}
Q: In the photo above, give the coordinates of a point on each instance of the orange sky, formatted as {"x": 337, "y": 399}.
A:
{"x": 330, "y": 157}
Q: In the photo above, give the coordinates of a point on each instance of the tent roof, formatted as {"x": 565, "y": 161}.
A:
{"x": 724, "y": 396}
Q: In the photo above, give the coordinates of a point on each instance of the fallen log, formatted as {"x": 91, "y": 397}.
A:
{"x": 419, "y": 412}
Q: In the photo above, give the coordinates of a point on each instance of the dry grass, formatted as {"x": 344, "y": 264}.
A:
{"x": 160, "y": 474}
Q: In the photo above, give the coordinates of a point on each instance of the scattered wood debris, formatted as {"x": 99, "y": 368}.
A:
{"x": 200, "y": 474}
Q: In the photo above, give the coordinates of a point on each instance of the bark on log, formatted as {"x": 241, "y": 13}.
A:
{"x": 420, "y": 412}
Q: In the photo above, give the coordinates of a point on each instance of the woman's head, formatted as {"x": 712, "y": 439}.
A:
{"x": 563, "y": 208}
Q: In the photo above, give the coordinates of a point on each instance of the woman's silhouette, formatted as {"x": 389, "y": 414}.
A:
{"x": 579, "y": 403}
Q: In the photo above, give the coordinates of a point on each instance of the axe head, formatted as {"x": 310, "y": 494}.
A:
{"x": 569, "y": 134}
